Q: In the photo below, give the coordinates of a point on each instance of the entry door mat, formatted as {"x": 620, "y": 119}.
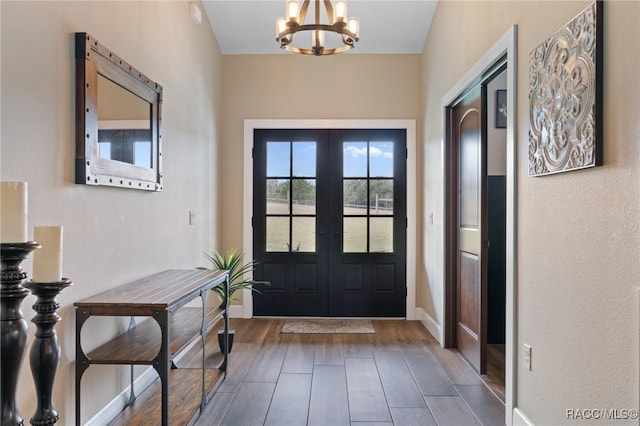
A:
{"x": 327, "y": 326}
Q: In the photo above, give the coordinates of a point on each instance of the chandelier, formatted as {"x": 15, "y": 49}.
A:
{"x": 343, "y": 30}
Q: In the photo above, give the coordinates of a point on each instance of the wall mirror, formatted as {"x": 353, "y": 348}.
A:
{"x": 118, "y": 117}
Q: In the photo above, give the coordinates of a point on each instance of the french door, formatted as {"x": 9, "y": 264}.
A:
{"x": 329, "y": 222}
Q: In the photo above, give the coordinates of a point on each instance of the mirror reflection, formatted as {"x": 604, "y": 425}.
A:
{"x": 124, "y": 125}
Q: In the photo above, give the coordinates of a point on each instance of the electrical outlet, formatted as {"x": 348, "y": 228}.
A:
{"x": 527, "y": 357}
{"x": 192, "y": 217}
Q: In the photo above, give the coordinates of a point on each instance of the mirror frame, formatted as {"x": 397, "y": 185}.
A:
{"x": 93, "y": 59}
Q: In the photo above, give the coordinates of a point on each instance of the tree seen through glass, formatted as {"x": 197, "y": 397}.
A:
{"x": 367, "y": 191}
{"x": 291, "y": 196}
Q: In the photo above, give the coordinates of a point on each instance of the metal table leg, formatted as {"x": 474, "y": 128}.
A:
{"x": 162, "y": 362}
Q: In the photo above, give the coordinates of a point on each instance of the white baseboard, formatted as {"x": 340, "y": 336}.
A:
{"x": 235, "y": 311}
{"x": 429, "y": 323}
{"x": 520, "y": 419}
{"x": 112, "y": 409}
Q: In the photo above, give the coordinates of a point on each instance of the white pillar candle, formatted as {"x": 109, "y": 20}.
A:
{"x": 13, "y": 212}
{"x": 47, "y": 261}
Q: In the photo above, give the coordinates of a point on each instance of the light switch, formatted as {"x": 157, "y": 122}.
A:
{"x": 527, "y": 357}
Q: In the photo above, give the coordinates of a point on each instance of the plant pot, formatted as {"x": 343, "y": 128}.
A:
{"x": 221, "y": 339}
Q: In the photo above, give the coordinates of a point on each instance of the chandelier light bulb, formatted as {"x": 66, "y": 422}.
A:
{"x": 281, "y": 25}
{"x": 293, "y": 6}
{"x": 354, "y": 26}
{"x": 340, "y": 11}
{"x": 318, "y": 39}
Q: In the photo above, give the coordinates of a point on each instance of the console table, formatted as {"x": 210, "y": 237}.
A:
{"x": 163, "y": 297}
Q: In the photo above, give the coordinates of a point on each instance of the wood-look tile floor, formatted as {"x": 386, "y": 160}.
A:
{"x": 495, "y": 369}
{"x": 398, "y": 376}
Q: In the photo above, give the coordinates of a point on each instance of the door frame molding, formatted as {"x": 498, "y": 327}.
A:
{"x": 505, "y": 46}
{"x": 408, "y": 125}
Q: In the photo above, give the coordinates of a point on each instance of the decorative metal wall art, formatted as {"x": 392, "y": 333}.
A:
{"x": 565, "y": 96}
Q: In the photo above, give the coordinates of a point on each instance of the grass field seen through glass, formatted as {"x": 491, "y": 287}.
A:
{"x": 304, "y": 230}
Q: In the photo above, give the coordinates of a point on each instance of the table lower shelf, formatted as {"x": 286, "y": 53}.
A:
{"x": 141, "y": 344}
{"x": 184, "y": 399}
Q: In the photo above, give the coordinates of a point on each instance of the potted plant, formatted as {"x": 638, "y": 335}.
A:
{"x": 231, "y": 261}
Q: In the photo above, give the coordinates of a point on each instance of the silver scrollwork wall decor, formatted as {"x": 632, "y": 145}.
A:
{"x": 565, "y": 96}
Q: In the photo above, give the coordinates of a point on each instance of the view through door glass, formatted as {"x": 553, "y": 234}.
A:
{"x": 329, "y": 222}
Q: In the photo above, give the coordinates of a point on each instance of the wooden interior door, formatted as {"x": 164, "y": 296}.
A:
{"x": 471, "y": 290}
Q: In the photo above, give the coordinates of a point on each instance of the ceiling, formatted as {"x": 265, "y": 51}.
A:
{"x": 247, "y": 27}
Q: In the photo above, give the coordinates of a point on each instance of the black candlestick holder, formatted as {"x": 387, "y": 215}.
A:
{"x": 13, "y": 326}
{"x": 45, "y": 350}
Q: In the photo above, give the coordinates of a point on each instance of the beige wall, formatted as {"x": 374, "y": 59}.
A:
{"x": 111, "y": 235}
{"x": 578, "y": 234}
{"x": 295, "y": 87}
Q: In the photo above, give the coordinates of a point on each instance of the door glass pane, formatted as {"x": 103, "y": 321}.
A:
{"x": 381, "y": 159}
{"x": 381, "y": 197}
{"x": 381, "y": 235}
{"x": 277, "y": 196}
{"x": 304, "y": 234}
{"x": 277, "y": 234}
{"x": 304, "y": 196}
{"x": 354, "y": 235}
{"x": 304, "y": 159}
{"x": 470, "y": 169}
{"x": 354, "y": 195}
{"x": 278, "y": 159}
{"x": 354, "y": 158}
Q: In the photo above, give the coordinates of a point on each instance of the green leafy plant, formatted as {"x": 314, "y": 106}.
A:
{"x": 231, "y": 261}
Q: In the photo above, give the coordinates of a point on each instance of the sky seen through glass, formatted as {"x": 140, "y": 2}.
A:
{"x": 354, "y": 154}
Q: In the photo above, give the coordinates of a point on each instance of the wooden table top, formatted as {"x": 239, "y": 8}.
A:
{"x": 159, "y": 291}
